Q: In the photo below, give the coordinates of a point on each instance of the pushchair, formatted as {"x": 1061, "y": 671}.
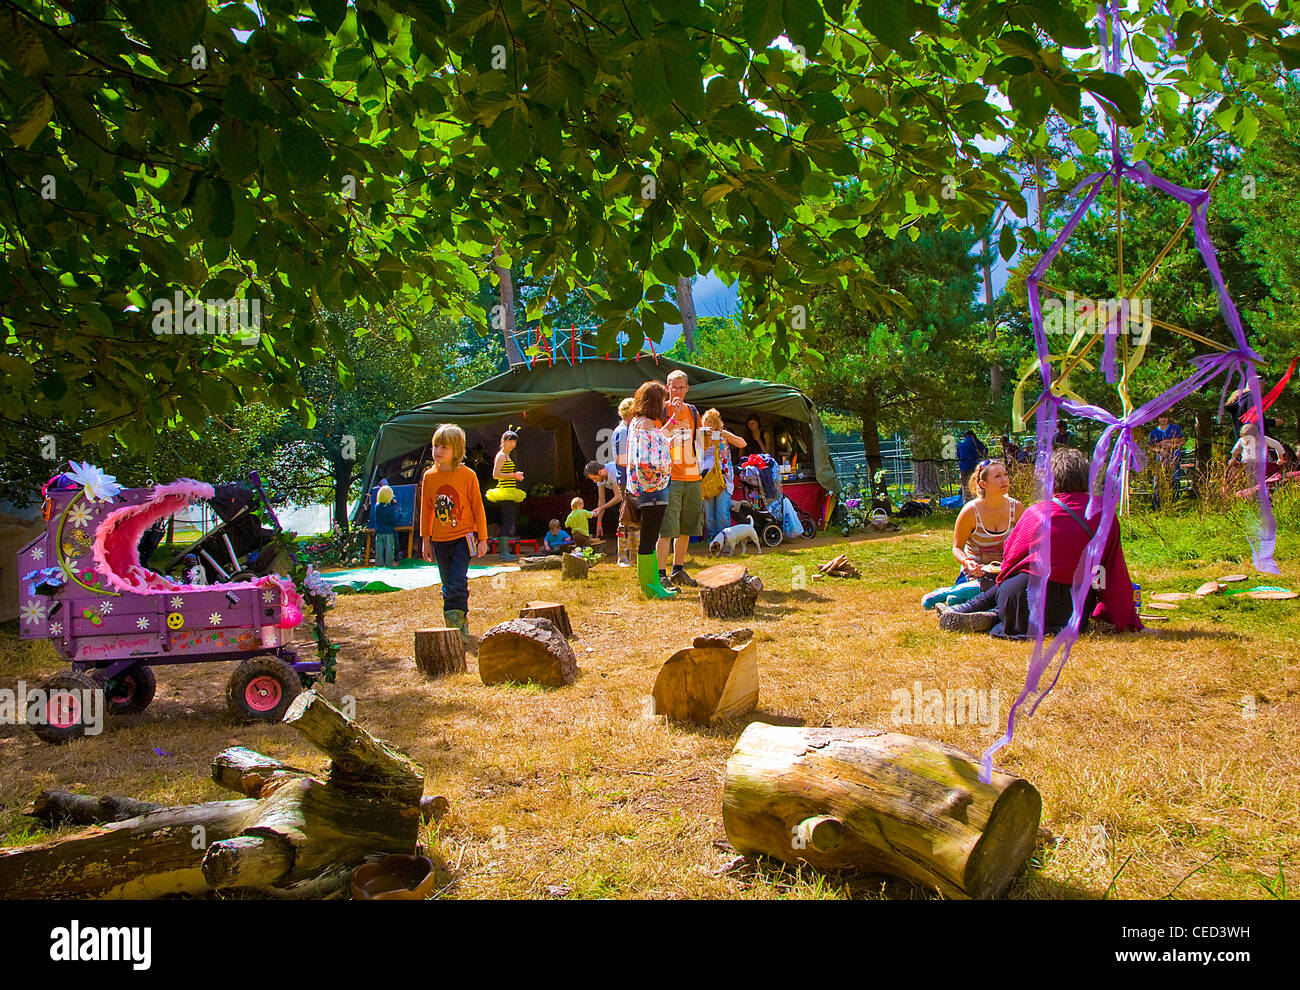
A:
{"x": 240, "y": 548}
{"x": 774, "y": 515}
{"x": 84, "y": 587}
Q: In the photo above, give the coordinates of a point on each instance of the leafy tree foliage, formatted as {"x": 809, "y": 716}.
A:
{"x": 323, "y": 156}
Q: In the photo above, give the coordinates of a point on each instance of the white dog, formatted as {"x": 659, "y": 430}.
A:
{"x": 735, "y": 536}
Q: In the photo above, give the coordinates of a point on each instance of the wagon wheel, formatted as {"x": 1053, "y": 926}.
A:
{"x": 809, "y": 527}
{"x": 772, "y": 535}
{"x": 130, "y": 691}
{"x": 63, "y": 715}
{"x": 262, "y": 688}
{"x": 244, "y": 575}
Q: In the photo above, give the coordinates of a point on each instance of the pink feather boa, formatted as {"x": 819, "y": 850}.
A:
{"x": 117, "y": 555}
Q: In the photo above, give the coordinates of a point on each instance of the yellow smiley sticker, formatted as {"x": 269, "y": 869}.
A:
{"x": 175, "y": 620}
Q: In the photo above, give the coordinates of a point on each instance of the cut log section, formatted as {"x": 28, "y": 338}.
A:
{"x": 523, "y": 650}
{"x": 1272, "y": 596}
{"x": 440, "y": 651}
{"x": 881, "y": 802}
{"x": 1162, "y": 605}
{"x": 1172, "y": 596}
{"x": 298, "y": 837}
{"x": 839, "y": 567}
{"x": 574, "y": 568}
{"x": 711, "y": 682}
{"x": 728, "y": 591}
{"x": 549, "y": 610}
{"x": 1208, "y": 588}
{"x": 549, "y": 562}
{"x": 1232, "y": 578}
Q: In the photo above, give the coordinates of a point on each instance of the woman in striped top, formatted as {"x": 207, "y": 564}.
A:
{"x": 507, "y": 493}
{"x": 984, "y": 522}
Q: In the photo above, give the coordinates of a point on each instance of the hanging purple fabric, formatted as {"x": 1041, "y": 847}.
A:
{"x": 1117, "y": 447}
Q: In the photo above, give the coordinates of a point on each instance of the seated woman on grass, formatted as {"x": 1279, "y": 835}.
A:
{"x": 984, "y": 522}
{"x": 1003, "y": 610}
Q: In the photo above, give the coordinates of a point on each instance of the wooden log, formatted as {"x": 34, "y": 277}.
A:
{"x": 708, "y": 684}
{"x": 63, "y": 808}
{"x": 1208, "y": 588}
{"x": 250, "y": 773}
{"x": 247, "y": 861}
{"x": 728, "y": 591}
{"x": 554, "y": 611}
{"x": 732, "y": 637}
{"x": 523, "y": 650}
{"x": 548, "y": 562}
{"x": 881, "y": 802}
{"x": 574, "y": 568}
{"x": 440, "y": 651}
{"x": 359, "y": 761}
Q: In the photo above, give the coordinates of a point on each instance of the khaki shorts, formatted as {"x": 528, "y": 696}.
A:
{"x": 684, "y": 516}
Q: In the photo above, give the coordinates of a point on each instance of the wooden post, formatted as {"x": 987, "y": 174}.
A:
{"x": 549, "y": 610}
{"x": 526, "y": 650}
{"x": 878, "y": 801}
{"x": 714, "y": 680}
{"x": 728, "y": 591}
{"x": 440, "y": 651}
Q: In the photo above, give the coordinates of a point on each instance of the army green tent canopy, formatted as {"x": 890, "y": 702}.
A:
{"x": 584, "y": 395}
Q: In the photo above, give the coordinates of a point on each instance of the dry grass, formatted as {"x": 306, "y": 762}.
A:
{"x": 575, "y": 792}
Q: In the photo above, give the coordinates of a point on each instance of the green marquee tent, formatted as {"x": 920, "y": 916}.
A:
{"x": 564, "y": 411}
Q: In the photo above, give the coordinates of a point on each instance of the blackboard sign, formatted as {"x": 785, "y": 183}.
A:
{"x": 404, "y": 496}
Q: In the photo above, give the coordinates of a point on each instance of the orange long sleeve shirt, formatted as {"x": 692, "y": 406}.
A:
{"x": 450, "y": 505}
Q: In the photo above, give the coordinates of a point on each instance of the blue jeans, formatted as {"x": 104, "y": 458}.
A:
{"x": 453, "y": 571}
{"x": 717, "y": 514}
{"x": 385, "y": 549}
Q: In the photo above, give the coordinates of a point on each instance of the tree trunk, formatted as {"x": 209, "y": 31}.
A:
{"x": 925, "y": 477}
{"x": 871, "y": 445}
{"x": 298, "y": 838}
{"x": 62, "y": 808}
{"x": 513, "y": 354}
{"x": 686, "y": 303}
{"x": 1204, "y": 451}
{"x": 995, "y": 369}
{"x": 439, "y": 652}
{"x": 878, "y": 801}
{"x": 546, "y": 562}
{"x": 553, "y": 611}
{"x": 574, "y": 568}
{"x": 342, "y": 472}
{"x": 728, "y": 591}
{"x": 710, "y": 682}
{"x": 526, "y": 650}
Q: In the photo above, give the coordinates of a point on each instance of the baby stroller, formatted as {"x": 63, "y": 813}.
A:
{"x": 775, "y": 516}
{"x": 84, "y": 587}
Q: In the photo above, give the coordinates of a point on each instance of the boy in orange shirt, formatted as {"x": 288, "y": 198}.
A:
{"x": 452, "y": 522}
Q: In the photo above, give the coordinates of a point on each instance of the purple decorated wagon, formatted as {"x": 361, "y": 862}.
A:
{"x": 83, "y": 586}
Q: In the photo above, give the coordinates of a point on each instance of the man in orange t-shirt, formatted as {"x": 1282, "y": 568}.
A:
{"x": 452, "y": 522}
{"x": 684, "y": 516}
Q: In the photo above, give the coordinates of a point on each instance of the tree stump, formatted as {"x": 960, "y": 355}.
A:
{"x": 440, "y": 651}
{"x": 574, "y": 568}
{"x": 728, "y": 591}
{"x": 526, "y": 650}
{"x": 712, "y": 681}
{"x": 294, "y": 837}
{"x": 549, "y": 562}
{"x": 549, "y": 610}
{"x": 878, "y": 801}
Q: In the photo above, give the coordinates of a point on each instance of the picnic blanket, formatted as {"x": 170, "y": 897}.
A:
{"x": 406, "y": 576}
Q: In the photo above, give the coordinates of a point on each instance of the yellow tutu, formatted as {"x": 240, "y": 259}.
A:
{"x": 505, "y": 494}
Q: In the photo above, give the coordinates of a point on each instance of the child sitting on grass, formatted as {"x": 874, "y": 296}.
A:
{"x": 579, "y": 521}
{"x": 557, "y": 540}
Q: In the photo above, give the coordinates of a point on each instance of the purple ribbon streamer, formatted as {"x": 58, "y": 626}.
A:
{"x": 1117, "y": 445}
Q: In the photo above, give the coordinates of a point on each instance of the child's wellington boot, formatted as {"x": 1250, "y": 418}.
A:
{"x": 457, "y": 619}
{"x": 647, "y": 569}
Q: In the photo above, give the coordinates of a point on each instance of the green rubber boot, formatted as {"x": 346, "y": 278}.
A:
{"x": 647, "y": 569}
{"x": 457, "y": 619}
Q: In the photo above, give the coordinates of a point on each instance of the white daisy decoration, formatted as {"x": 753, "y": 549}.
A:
{"x": 215, "y": 618}
{"x": 38, "y": 553}
{"x": 142, "y": 623}
{"x": 105, "y": 608}
{"x": 177, "y": 601}
{"x": 269, "y": 596}
{"x": 33, "y": 612}
{"x": 95, "y": 483}
{"x": 79, "y": 515}
{"x": 56, "y": 628}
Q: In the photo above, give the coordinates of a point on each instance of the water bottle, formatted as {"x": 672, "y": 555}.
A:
{"x": 1137, "y": 597}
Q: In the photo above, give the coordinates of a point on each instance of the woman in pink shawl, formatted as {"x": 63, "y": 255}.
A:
{"x": 1004, "y": 609}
